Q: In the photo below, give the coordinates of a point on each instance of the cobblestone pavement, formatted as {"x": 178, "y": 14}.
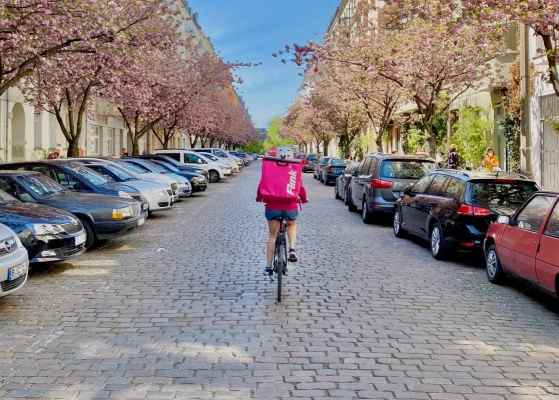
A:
{"x": 180, "y": 310}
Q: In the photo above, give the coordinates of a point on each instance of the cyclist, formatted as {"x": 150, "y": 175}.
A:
{"x": 275, "y": 213}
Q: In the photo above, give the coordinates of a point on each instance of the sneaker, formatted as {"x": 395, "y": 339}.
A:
{"x": 292, "y": 257}
{"x": 268, "y": 271}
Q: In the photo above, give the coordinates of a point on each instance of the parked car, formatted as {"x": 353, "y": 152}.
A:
{"x": 183, "y": 167}
{"x": 48, "y": 234}
{"x": 198, "y": 182}
{"x": 332, "y": 170}
{"x": 215, "y": 171}
{"x": 77, "y": 177}
{"x": 247, "y": 159}
{"x": 453, "y": 209}
{"x": 342, "y": 182}
{"x": 310, "y": 165}
{"x": 14, "y": 264}
{"x": 150, "y": 174}
{"x": 223, "y": 164}
{"x": 319, "y": 165}
{"x": 380, "y": 180}
{"x": 526, "y": 244}
{"x": 158, "y": 195}
{"x": 234, "y": 162}
{"x": 103, "y": 217}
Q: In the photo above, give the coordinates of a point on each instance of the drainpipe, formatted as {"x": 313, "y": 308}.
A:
{"x": 7, "y": 116}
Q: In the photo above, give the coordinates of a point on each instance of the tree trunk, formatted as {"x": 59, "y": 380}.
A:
{"x": 212, "y": 141}
{"x": 378, "y": 141}
{"x": 135, "y": 147}
{"x": 326, "y": 145}
{"x": 73, "y": 147}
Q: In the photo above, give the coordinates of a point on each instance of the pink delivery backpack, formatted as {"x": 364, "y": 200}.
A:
{"x": 281, "y": 180}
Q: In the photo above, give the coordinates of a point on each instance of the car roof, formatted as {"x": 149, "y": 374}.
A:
{"x": 403, "y": 157}
{"x": 481, "y": 175}
{"x": 61, "y": 162}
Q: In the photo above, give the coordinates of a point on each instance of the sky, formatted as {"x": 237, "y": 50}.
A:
{"x": 251, "y": 31}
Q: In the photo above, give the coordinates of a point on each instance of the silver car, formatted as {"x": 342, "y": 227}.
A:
{"x": 181, "y": 185}
{"x": 157, "y": 194}
{"x": 14, "y": 263}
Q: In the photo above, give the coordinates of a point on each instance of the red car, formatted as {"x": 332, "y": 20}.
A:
{"x": 527, "y": 244}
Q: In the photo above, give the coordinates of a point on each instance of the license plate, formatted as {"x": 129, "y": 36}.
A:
{"x": 141, "y": 221}
{"x": 80, "y": 239}
{"x": 16, "y": 272}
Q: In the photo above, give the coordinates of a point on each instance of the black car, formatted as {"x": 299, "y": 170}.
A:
{"x": 310, "y": 164}
{"x": 342, "y": 182}
{"x": 332, "y": 170}
{"x": 453, "y": 209}
{"x": 103, "y": 217}
{"x": 198, "y": 182}
{"x": 380, "y": 180}
{"x": 47, "y": 233}
{"x": 75, "y": 176}
{"x": 318, "y": 167}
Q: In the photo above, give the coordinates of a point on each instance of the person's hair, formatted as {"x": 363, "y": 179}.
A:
{"x": 490, "y": 149}
{"x": 452, "y": 147}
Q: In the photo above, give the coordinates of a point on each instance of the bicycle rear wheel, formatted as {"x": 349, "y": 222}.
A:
{"x": 281, "y": 261}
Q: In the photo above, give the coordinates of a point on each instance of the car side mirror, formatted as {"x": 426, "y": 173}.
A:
{"x": 504, "y": 220}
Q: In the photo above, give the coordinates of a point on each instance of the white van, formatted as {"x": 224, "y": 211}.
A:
{"x": 14, "y": 262}
{"x": 216, "y": 172}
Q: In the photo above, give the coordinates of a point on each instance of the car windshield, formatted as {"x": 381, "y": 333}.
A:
{"x": 167, "y": 166}
{"x": 6, "y": 198}
{"x": 405, "y": 169}
{"x": 337, "y": 163}
{"x": 501, "y": 193}
{"x": 119, "y": 172}
{"x": 210, "y": 156}
{"x": 41, "y": 185}
{"x": 325, "y": 160}
{"x": 153, "y": 167}
{"x": 169, "y": 160}
{"x": 137, "y": 169}
{"x": 90, "y": 176}
{"x": 312, "y": 157}
{"x": 221, "y": 154}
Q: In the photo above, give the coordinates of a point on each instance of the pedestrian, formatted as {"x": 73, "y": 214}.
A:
{"x": 453, "y": 158}
{"x": 490, "y": 161}
{"x": 123, "y": 152}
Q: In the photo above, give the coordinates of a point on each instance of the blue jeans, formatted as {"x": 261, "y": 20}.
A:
{"x": 278, "y": 215}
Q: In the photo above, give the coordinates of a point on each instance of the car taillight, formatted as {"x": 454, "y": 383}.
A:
{"x": 467, "y": 209}
{"x": 380, "y": 184}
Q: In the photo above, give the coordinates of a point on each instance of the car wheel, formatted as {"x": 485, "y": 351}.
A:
{"x": 350, "y": 206}
{"x": 438, "y": 242}
{"x": 90, "y": 237}
{"x": 399, "y": 232}
{"x": 365, "y": 213}
{"x": 214, "y": 176}
{"x": 493, "y": 267}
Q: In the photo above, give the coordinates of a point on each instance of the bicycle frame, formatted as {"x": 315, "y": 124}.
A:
{"x": 280, "y": 257}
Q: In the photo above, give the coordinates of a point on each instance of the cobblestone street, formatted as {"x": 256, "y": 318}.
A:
{"x": 182, "y": 311}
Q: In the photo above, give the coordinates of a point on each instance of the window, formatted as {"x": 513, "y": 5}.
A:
{"x": 6, "y": 185}
{"x": 455, "y": 189}
{"x": 67, "y": 180}
{"x": 373, "y": 166}
{"x": 38, "y": 131}
{"x": 365, "y": 166}
{"x": 405, "y": 169}
{"x": 174, "y": 156}
{"x": 501, "y": 193}
{"x": 192, "y": 159}
{"x": 437, "y": 186}
{"x": 95, "y": 140}
{"x": 40, "y": 185}
{"x": 422, "y": 185}
{"x": 532, "y": 217}
{"x": 111, "y": 141}
{"x": 553, "y": 225}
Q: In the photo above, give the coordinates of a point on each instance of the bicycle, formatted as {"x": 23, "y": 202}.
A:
{"x": 280, "y": 256}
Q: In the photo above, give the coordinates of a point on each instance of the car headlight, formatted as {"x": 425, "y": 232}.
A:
{"x": 46, "y": 229}
{"x": 122, "y": 213}
{"x": 126, "y": 195}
